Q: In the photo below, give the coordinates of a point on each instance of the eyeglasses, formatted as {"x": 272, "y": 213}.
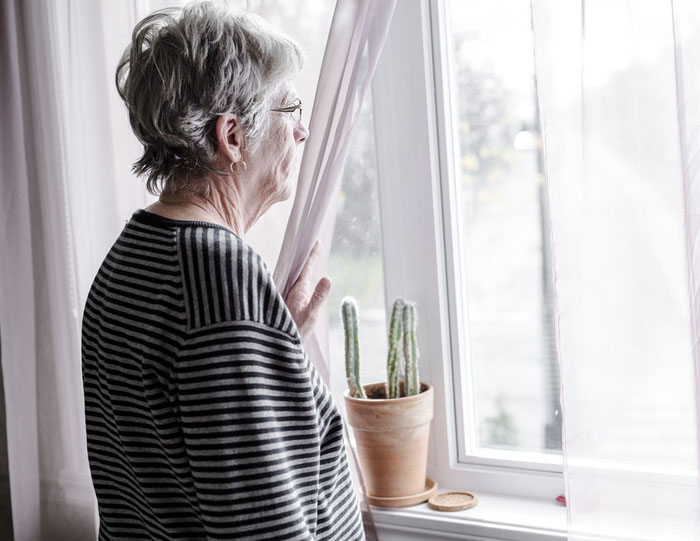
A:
{"x": 295, "y": 109}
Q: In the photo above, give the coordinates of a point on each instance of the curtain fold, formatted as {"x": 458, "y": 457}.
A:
{"x": 686, "y": 23}
{"x": 355, "y": 41}
{"x": 618, "y": 94}
{"x": 16, "y": 283}
{"x": 66, "y": 191}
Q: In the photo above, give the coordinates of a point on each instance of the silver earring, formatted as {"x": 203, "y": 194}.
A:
{"x": 230, "y": 166}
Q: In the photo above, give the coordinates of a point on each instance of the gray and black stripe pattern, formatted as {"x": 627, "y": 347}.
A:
{"x": 214, "y": 260}
{"x": 205, "y": 418}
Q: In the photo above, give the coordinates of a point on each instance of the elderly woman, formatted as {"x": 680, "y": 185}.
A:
{"x": 205, "y": 418}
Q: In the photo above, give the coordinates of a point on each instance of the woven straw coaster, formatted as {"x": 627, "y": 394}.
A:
{"x": 453, "y": 501}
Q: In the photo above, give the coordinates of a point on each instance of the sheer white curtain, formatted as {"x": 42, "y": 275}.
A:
{"x": 355, "y": 41}
{"x": 67, "y": 190}
{"x": 619, "y": 96}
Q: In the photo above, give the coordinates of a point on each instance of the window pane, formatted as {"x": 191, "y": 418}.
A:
{"x": 504, "y": 241}
{"x": 355, "y": 265}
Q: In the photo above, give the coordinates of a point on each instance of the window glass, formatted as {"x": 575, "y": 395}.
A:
{"x": 503, "y": 237}
{"x": 355, "y": 265}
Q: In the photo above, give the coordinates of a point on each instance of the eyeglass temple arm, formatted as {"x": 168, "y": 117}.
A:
{"x": 290, "y": 108}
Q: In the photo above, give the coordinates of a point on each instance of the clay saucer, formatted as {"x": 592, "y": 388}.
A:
{"x": 404, "y": 501}
{"x": 453, "y": 501}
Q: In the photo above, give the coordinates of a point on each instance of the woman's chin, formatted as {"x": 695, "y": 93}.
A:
{"x": 287, "y": 189}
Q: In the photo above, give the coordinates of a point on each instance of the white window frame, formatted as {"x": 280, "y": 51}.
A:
{"x": 412, "y": 107}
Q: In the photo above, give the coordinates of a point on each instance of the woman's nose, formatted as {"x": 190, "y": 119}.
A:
{"x": 301, "y": 132}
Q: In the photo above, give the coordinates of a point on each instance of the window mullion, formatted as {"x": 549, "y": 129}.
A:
{"x": 409, "y": 202}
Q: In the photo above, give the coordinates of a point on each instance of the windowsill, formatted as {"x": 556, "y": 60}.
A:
{"x": 495, "y": 517}
{"x": 505, "y": 518}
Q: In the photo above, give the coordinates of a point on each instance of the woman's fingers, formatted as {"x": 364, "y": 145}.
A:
{"x": 302, "y": 303}
{"x": 318, "y": 297}
{"x": 320, "y": 294}
{"x": 310, "y": 262}
{"x": 299, "y": 293}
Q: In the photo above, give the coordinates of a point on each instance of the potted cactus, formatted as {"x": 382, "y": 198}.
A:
{"x": 390, "y": 420}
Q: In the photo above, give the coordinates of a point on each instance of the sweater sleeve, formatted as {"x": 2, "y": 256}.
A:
{"x": 262, "y": 434}
{"x": 250, "y": 431}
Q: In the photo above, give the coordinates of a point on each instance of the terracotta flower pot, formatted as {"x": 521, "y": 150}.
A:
{"x": 392, "y": 438}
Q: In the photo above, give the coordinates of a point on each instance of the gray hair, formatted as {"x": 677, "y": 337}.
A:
{"x": 179, "y": 74}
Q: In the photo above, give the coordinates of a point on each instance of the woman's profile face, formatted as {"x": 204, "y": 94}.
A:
{"x": 277, "y": 154}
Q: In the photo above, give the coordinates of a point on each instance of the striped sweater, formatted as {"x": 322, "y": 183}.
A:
{"x": 205, "y": 418}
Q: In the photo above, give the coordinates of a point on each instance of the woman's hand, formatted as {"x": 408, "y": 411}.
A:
{"x": 302, "y": 303}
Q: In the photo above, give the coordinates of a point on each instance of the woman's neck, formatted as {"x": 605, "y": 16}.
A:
{"x": 188, "y": 209}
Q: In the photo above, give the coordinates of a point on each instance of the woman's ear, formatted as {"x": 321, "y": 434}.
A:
{"x": 230, "y": 137}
